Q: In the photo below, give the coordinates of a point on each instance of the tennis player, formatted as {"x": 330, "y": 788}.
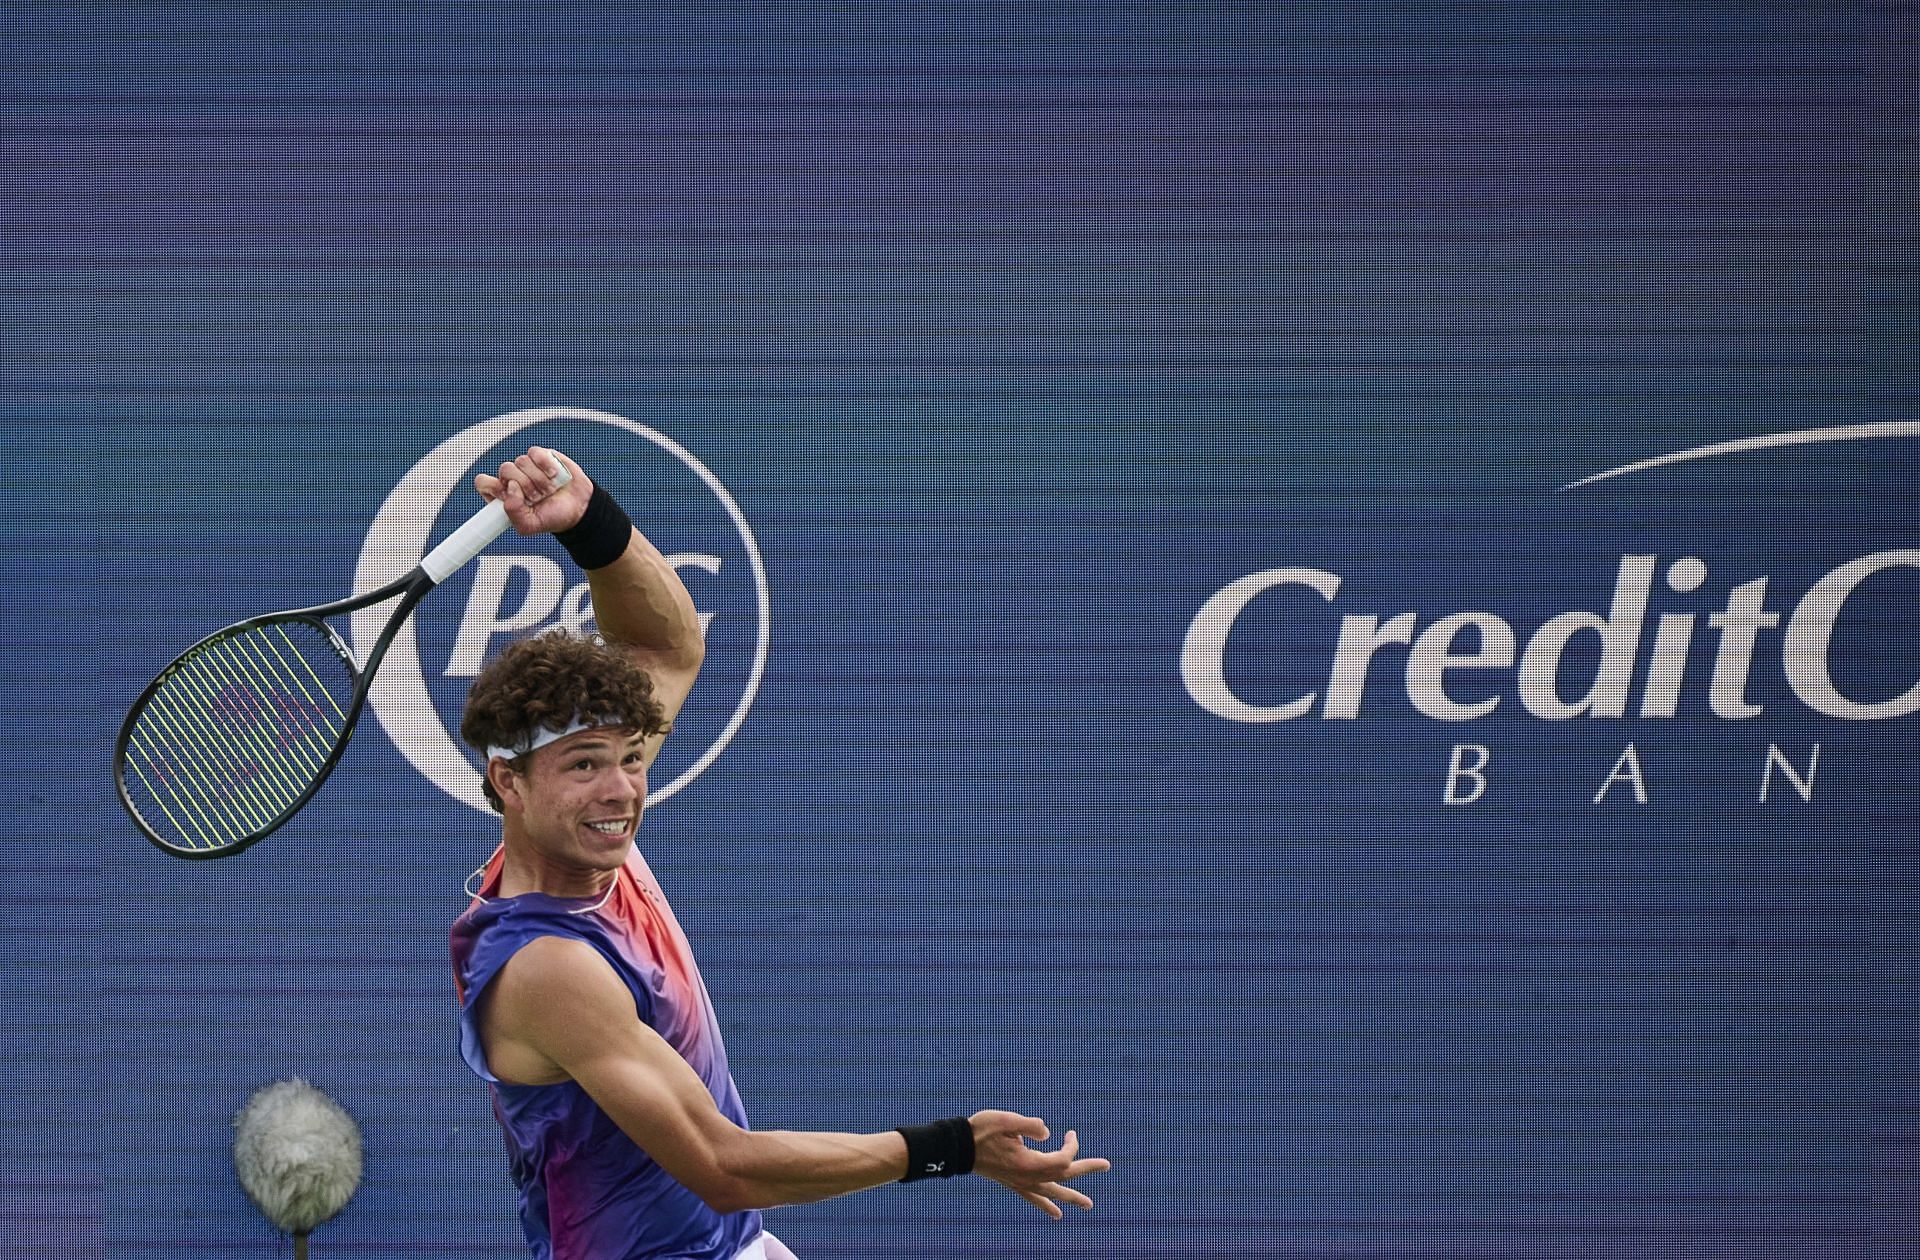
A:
{"x": 580, "y": 1003}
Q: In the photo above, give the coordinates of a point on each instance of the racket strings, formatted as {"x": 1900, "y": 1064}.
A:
{"x": 236, "y": 732}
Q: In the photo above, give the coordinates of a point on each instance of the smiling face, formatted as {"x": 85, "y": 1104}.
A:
{"x": 572, "y": 812}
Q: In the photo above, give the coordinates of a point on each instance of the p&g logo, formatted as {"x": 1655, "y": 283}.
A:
{"x": 677, "y": 501}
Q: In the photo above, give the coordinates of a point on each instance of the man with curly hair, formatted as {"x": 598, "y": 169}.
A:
{"x": 581, "y": 1005}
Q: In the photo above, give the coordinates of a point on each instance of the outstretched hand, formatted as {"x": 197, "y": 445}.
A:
{"x": 1001, "y": 1153}
{"x": 526, "y": 487}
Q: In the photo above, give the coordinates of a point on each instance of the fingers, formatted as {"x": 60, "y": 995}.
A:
{"x": 1067, "y": 1195}
{"x": 528, "y": 486}
{"x": 1050, "y": 1196}
{"x": 1040, "y": 1201}
{"x": 1038, "y": 1176}
{"x": 989, "y": 1124}
{"x": 530, "y": 477}
{"x": 560, "y": 459}
{"x": 1002, "y": 1145}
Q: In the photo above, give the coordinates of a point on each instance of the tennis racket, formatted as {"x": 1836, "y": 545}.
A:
{"x": 240, "y": 731}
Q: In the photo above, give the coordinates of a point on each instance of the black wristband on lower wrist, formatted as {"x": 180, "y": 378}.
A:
{"x": 602, "y": 535}
{"x": 941, "y": 1149}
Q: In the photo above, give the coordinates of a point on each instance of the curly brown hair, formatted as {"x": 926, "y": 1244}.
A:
{"x": 551, "y": 680}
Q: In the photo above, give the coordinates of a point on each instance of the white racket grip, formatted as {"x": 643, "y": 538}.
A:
{"x": 475, "y": 536}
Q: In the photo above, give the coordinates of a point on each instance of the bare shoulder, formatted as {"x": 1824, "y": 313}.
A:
{"x": 549, "y": 968}
{"x": 555, "y": 1004}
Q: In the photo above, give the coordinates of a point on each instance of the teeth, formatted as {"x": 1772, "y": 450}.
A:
{"x": 609, "y": 828}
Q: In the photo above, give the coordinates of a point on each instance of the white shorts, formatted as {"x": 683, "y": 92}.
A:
{"x": 765, "y": 1247}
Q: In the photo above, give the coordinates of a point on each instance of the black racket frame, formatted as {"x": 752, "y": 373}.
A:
{"x": 411, "y": 587}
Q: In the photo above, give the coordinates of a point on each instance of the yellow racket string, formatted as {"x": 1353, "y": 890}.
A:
{"x": 235, "y": 733}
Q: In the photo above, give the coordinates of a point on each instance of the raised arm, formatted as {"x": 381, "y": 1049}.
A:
{"x": 639, "y": 602}
{"x": 659, "y": 1102}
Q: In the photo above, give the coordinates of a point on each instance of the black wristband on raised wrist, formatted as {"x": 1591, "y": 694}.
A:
{"x": 602, "y": 535}
{"x": 941, "y": 1149}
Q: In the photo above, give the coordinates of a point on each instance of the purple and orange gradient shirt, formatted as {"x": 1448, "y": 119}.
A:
{"x": 587, "y": 1191}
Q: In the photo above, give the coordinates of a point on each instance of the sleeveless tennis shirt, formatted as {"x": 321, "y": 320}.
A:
{"x": 587, "y": 1191}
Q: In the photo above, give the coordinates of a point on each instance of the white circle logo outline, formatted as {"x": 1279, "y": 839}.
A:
{"x": 399, "y": 696}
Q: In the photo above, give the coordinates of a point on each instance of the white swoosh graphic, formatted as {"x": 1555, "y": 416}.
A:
{"x": 1766, "y": 441}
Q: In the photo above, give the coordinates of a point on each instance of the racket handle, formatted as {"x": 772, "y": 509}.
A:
{"x": 474, "y": 537}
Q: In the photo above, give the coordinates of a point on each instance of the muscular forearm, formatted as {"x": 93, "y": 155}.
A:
{"x": 772, "y": 1169}
{"x": 639, "y": 600}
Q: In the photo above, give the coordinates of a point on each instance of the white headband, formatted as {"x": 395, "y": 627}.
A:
{"x": 540, "y": 739}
